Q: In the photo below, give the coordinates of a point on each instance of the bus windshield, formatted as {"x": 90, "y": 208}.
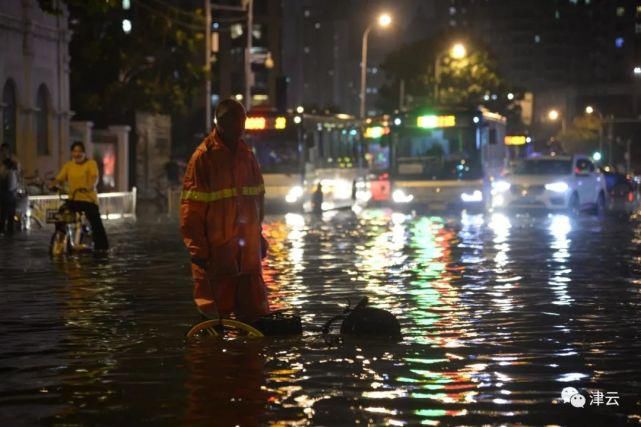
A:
{"x": 276, "y": 151}
{"x": 438, "y": 154}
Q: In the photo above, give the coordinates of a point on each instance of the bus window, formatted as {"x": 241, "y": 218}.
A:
{"x": 276, "y": 152}
{"x": 445, "y": 153}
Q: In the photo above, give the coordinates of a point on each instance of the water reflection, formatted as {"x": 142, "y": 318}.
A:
{"x": 560, "y": 227}
{"x": 499, "y": 313}
{"x": 225, "y": 385}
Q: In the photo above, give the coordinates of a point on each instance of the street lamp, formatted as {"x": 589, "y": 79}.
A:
{"x": 591, "y": 110}
{"x": 554, "y": 115}
{"x": 457, "y": 51}
{"x": 384, "y": 20}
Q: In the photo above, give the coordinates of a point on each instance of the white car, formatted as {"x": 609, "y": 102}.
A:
{"x": 553, "y": 183}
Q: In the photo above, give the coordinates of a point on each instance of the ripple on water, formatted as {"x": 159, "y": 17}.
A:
{"x": 499, "y": 314}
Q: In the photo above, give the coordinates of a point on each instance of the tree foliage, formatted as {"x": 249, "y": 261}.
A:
{"x": 582, "y": 136}
{"x": 466, "y": 82}
{"x": 157, "y": 67}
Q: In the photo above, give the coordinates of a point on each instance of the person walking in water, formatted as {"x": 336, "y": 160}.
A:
{"x": 221, "y": 212}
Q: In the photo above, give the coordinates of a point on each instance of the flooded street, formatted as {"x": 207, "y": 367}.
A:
{"x": 499, "y": 315}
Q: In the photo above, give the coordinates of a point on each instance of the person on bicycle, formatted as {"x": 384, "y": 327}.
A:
{"x": 221, "y": 212}
{"x": 81, "y": 174}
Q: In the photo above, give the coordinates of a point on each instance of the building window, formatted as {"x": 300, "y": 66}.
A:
{"x": 9, "y": 115}
{"x": 537, "y": 38}
{"x": 638, "y": 10}
{"x": 42, "y": 121}
{"x": 618, "y": 42}
{"x": 620, "y": 11}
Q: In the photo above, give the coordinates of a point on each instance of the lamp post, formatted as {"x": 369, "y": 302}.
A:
{"x": 457, "y": 51}
{"x": 589, "y": 110}
{"x": 384, "y": 20}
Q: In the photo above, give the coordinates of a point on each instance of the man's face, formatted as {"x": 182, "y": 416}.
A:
{"x": 232, "y": 126}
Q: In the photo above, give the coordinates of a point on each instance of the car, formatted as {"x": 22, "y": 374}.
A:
{"x": 553, "y": 183}
{"x": 622, "y": 193}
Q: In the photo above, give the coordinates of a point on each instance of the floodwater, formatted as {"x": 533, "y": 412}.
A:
{"x": 499, "y": 315}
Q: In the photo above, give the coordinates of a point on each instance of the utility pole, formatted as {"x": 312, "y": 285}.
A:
{"x": 208, "y": 118}
{"x": 364, "y": 71}
{"x": 248, "y": 52}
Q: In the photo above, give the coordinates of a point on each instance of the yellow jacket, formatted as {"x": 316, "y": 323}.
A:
{"x": 78, "y": 176}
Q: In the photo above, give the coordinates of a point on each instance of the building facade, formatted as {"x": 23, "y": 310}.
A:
{"x": 229, "y": 69}
{"x": 34, "y": 84}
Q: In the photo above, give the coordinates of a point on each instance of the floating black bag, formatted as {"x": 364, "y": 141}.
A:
{"x": 363, "y": 321}
{"x": 279, "y": 323}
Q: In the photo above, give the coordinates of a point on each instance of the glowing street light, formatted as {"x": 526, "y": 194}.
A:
{"x": 589, "y": 109}
{"x": 637, "y": 71}
{"x": 384, "y": 20}
{"x": 553, "y": 115}
{"x": 457, "y": 51}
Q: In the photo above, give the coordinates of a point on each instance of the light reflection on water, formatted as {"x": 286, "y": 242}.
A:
{"x": 499, "y": 314}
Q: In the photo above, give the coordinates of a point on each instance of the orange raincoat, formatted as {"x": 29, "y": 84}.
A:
{"x": 221, "y": 212}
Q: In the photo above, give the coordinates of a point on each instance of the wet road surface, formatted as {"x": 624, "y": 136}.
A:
{"x": 499, "y": 315}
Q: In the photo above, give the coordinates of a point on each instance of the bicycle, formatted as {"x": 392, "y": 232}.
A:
{"x": 276, "y": 323}
{"x": 223, "y": 328}
{"x": 72, "y": 230}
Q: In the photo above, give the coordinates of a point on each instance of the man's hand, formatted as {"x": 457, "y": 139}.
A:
{"x": 202, "y": 263}
{"x": 264, "y": 246}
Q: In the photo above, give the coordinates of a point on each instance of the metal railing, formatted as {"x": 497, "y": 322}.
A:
{"x": 112, "y": 205}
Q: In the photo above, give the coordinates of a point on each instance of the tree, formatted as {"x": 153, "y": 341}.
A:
{"x": 582, "y": 136}
{"x": 156, "y": 67}
{"x": 466, "y": 82}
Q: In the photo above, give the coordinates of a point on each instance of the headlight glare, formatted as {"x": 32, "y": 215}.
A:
{"x": 557, "y": 187}
{"x": 399, "y": 196}
{"x": 475, "y": 196}
{"x": 294, "y": 194}
{"x": 501, "y": 186}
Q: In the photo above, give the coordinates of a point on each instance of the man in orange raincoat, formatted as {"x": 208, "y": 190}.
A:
{"x": 221, "y": 212}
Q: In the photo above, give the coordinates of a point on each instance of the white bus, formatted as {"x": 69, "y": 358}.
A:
{"x": 298, "y": 151}
{"x": 437, "y": 161}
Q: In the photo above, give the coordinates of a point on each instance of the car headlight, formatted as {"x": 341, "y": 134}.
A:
{"x": 476, "y": 196}
{"x": 399, "y": 196}
{"x": 294, "y": 194}
{"x": 501, "y": 186}
{"x": 557, "y": 187}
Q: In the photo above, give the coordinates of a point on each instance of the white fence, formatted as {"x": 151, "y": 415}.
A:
{"x": 112, "y": 205}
